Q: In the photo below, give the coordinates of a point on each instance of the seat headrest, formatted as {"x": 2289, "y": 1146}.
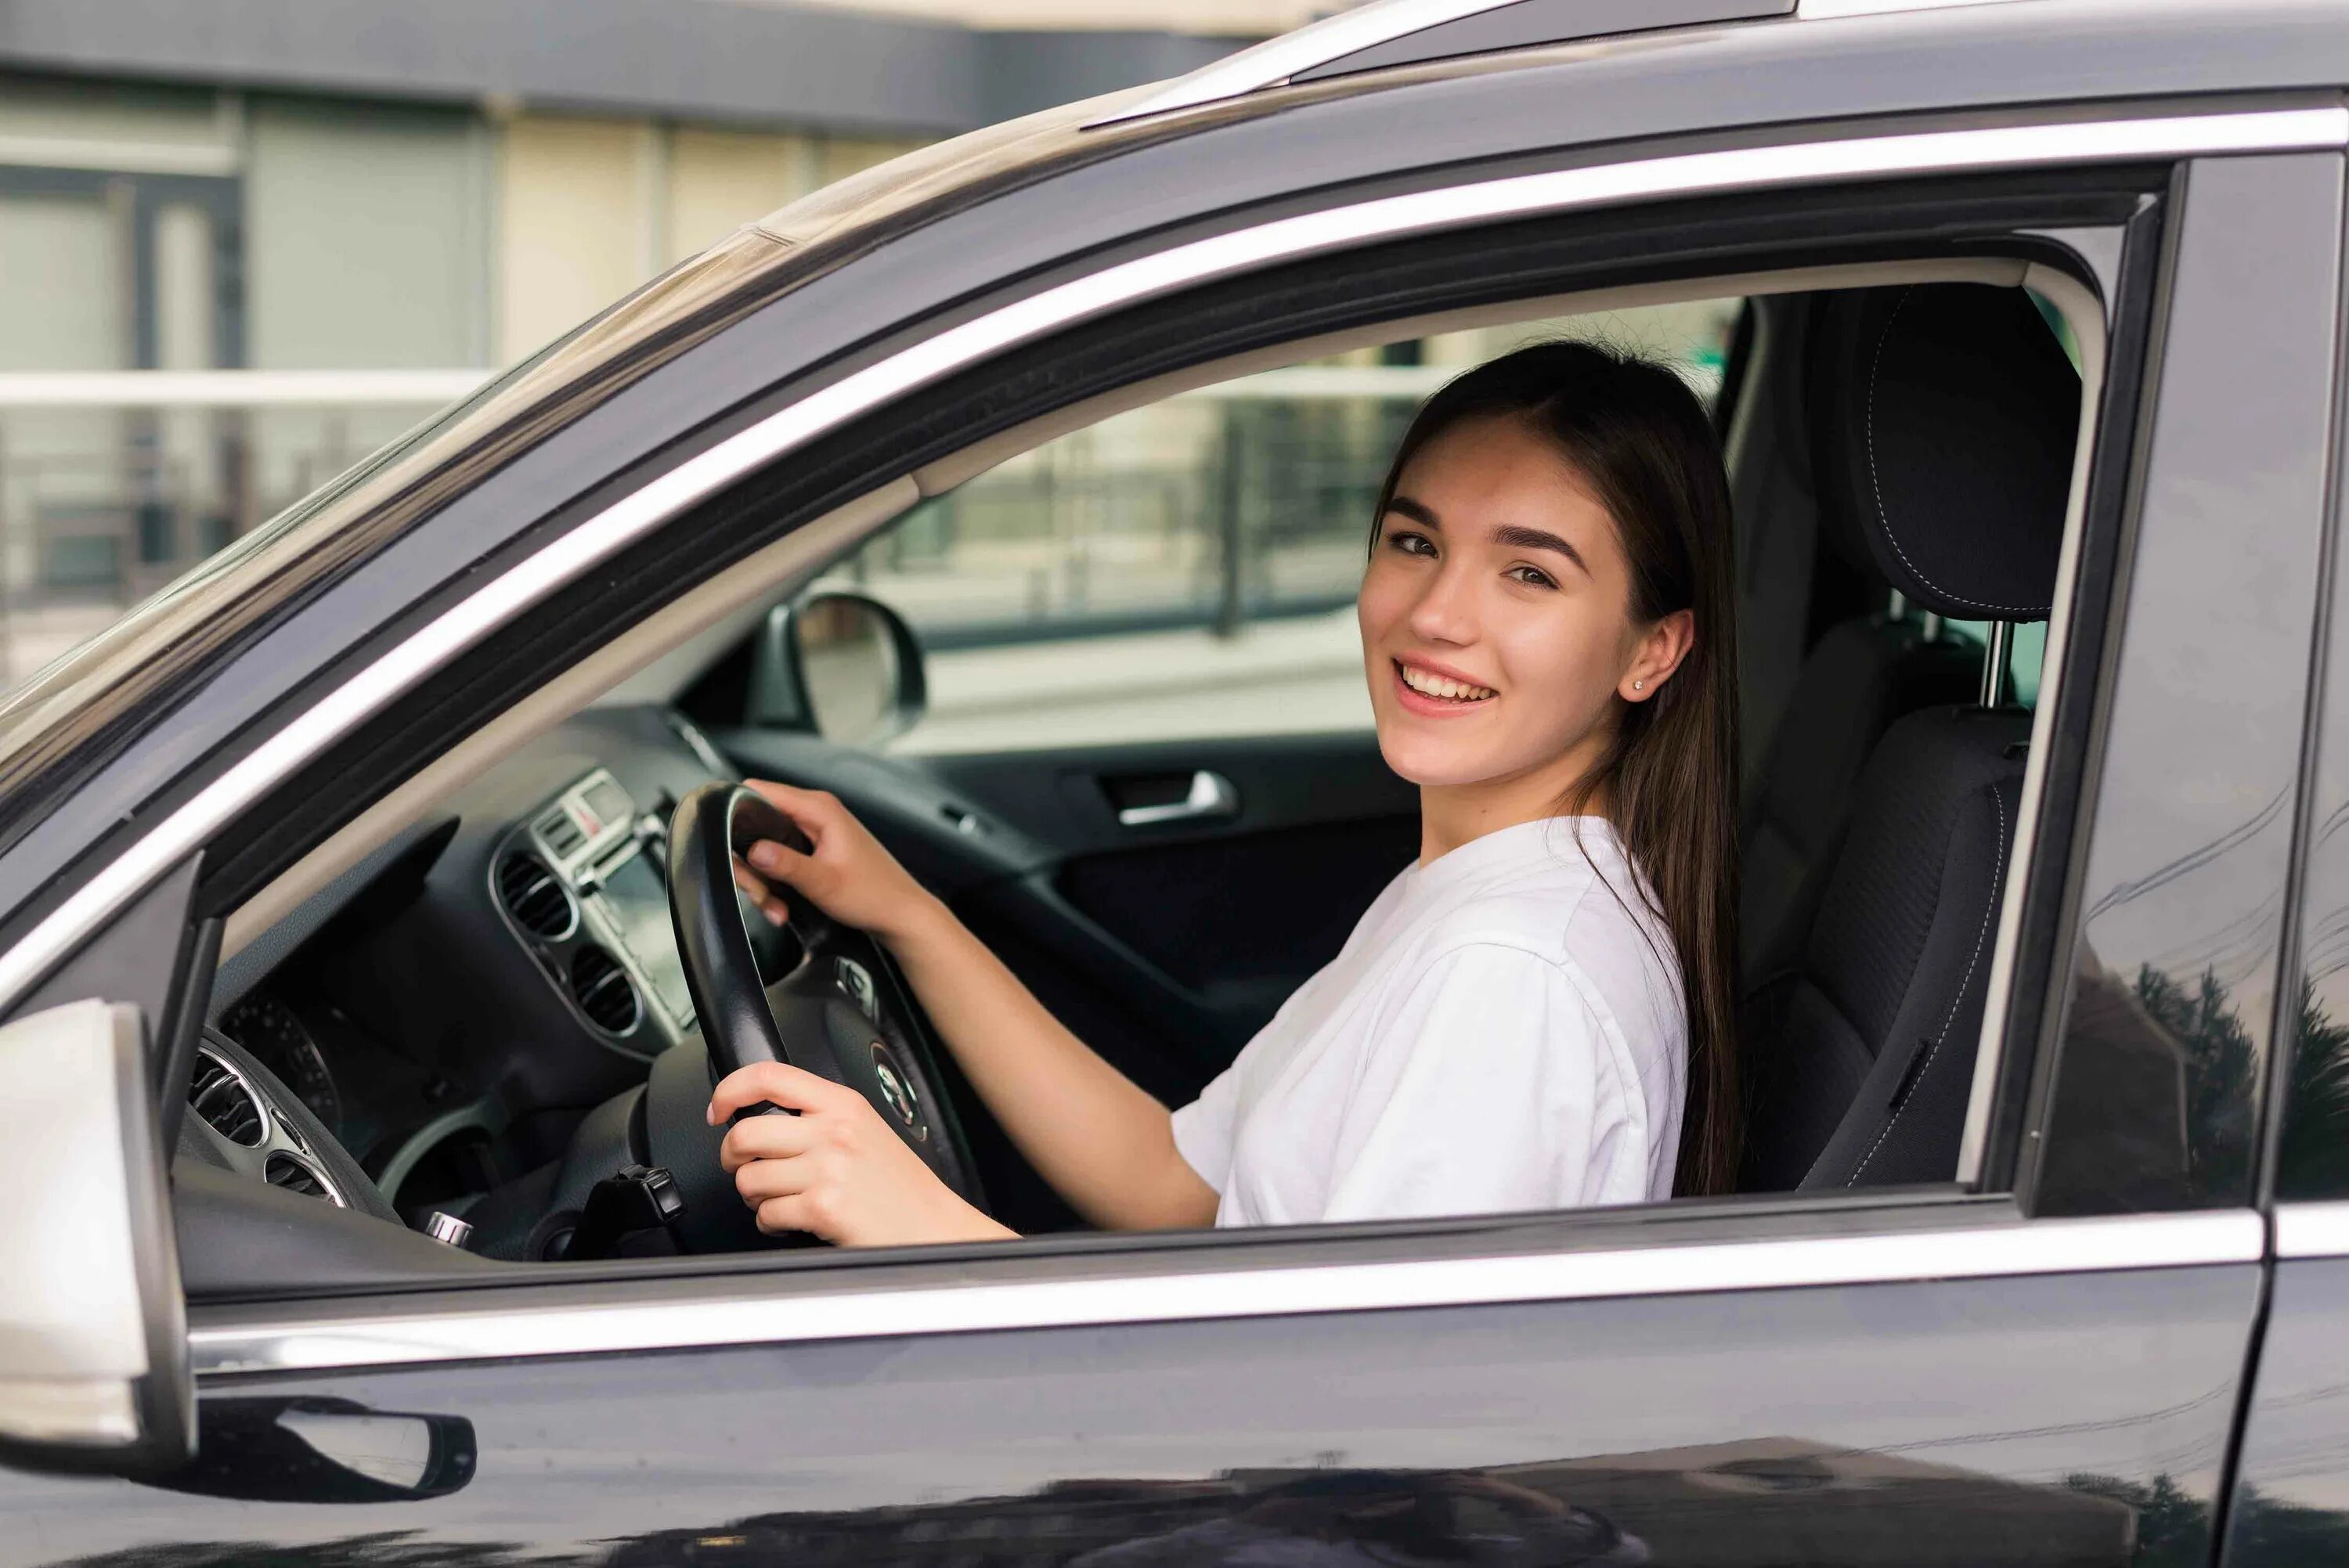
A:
{"x": 1943, "y": 419}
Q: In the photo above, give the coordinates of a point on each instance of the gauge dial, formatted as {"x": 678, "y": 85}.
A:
{"x": 268, "y": 1028}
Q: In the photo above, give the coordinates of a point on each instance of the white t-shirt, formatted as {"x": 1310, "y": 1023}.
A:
{"x": 1501, "y": 1032}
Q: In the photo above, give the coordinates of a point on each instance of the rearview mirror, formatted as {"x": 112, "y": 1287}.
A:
{"x": 93, "y": 1327}
{"x": 843, "y": 666}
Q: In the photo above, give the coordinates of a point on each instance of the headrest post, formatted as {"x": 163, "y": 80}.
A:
{"x": 1996, "y": 656}
{"x": 1930, "y": 625}
{"x": 1900, "y": 611}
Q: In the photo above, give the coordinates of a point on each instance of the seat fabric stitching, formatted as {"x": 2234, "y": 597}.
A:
{"x": 1876, "y": 481}
{"x": 1990, "y": 904}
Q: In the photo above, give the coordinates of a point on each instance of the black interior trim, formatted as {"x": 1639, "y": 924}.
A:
{"x": 2044, "y": 950}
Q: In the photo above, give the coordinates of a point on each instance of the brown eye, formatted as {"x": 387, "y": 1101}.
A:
{"x": 1412, "y": 543}
{"x": 1532, "y": 576}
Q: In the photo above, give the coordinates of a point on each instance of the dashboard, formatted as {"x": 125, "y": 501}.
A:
{"x": 453, "y": 1006}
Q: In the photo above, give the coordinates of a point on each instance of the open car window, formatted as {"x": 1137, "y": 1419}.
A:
{"x": 1141, "y": 769}
{"x": 1187, "y": 570}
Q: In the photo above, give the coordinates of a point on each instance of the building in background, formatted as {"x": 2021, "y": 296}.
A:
{"x": 245, "y": 241}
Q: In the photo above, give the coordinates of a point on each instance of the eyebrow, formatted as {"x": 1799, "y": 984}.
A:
{"x": 1418, "y": 512}
{"x": 1524, "y": 538}
{"x": 1512, "y": 535}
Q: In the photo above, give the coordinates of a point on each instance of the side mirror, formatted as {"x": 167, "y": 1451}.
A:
{"x": 308, "y": 1449}
{"x": 843, "y": 666}
{"x": 93, "y": 1327}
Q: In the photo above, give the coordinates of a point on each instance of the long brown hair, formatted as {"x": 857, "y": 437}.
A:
{"x": 1640, "y": 439}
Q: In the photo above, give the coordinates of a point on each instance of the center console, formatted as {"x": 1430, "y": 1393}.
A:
{"x": 583, "y": 883}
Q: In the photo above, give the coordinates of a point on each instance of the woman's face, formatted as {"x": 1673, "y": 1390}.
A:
{"x": 1495, "y": 615}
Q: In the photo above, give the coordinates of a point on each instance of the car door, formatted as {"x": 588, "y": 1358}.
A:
{"x": 2040, "y": 1370}
{"x": 2290, "y": 1500}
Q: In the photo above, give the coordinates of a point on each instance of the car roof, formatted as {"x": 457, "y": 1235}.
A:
{"x": 1041, "y": 190}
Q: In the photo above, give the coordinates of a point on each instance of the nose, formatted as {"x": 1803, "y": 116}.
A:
{"x": 1445, "y": 610}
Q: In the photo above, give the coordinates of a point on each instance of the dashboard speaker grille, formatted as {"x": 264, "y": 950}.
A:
{"x": 604, "y": 991}
{"x": 222, "y": 1099}
{"x": 539, "y": 903}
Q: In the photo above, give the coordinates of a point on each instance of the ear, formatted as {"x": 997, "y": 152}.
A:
{"x": 1661, "y": 649}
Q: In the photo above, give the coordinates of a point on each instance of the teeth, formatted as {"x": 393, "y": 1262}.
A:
{"x": 1431, "y": 685}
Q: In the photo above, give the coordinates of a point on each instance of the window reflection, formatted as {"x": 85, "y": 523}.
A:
{"x": 2175, "y": 983}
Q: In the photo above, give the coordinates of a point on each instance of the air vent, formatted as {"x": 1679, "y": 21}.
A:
{"x": 225, "y": 1100}
{"x": 539, "y": 903}
{"x": 604, "y": 991}
{"x": 296, "y": 1175}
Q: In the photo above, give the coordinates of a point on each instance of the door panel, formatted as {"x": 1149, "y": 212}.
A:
{"x": 2077, "y": 1420}
{"x": 1234, "y": 907}
{"x": 2290, "y": 1505}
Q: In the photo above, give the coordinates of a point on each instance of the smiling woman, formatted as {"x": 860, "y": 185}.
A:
{"x": 1564, "y": 645}
{"x": 1544, "y": 629}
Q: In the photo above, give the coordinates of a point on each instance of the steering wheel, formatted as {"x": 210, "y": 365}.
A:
{"x": 816, "y": 994}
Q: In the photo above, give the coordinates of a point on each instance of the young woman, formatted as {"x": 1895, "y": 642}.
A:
{"x": 1535, "y": 1015}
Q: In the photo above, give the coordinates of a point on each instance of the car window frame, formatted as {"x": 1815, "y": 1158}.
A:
{"x": 1798, "y": 1241}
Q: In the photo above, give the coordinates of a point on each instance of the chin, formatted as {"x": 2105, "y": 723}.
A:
{"x": 1427, "y": 762}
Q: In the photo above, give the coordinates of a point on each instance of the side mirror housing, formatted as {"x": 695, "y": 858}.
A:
{"x": 265, "y": 1449}
{"x": 842, "y": 665}
{"x": 93, "y": 1326}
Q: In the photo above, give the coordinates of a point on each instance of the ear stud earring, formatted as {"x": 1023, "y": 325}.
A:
{"x": 1639, "y": 685}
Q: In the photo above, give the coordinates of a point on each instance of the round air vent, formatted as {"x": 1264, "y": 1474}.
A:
{"x": 604, "y": 991}
{"x": 221, "y": 1096}
{"x": 539, "y": 903}
{"x": 296, "y": 1174}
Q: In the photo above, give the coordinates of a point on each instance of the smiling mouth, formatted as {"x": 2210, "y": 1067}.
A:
{"x": 1442, "y": 688}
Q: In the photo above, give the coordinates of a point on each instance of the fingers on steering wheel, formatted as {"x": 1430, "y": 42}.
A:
{"x": 775, "y": 1083}
{"x": 769, "y": 903}
{"x": 758, "y": 1138}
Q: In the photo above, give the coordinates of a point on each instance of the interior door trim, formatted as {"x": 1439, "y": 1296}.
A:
{"x": 480, "y": 612}
{"x": 804, "y": 1307}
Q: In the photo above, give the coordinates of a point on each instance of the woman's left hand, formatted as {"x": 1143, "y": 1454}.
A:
{"x": 835, "y": 1170}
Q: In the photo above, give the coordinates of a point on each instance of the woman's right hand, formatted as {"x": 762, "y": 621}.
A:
{"x": 848, "y": 874}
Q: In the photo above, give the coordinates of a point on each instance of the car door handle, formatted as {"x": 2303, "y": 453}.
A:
{"x": 1211, "y": 795}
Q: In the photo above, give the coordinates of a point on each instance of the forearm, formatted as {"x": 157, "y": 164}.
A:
{"x": 1103, "y": 1144}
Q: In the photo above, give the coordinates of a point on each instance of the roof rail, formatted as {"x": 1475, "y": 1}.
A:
{"x": 1408, "y": 32}
{"x": 1398, "y": 31}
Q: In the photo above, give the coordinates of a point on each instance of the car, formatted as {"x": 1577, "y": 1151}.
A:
{"x": 366, "y": 947}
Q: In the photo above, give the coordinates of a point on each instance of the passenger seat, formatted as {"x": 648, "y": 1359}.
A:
{"x": 1863, "y": 673}
{"x": 1963, "y": 413}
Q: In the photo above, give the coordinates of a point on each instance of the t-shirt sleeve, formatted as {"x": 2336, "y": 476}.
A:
{"x": 1491, "y": 1086}
{"x": 1204, "y": 1129}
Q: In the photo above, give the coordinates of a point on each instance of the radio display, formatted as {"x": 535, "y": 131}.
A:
{"x": 637, "y": 903}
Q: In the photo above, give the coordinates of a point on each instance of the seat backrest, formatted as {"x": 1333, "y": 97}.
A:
{"x": 1875, "y": 1028}
{"x": 1863, "y": 675}
{"x": 1957, "y": 415}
